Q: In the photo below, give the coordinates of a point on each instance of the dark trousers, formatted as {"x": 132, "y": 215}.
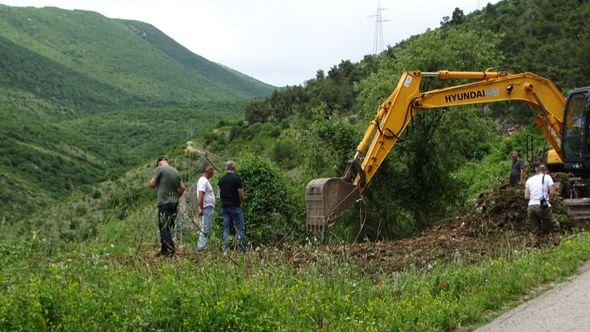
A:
{"x": 166, "y": 217}
{"x": 543, "y": 219}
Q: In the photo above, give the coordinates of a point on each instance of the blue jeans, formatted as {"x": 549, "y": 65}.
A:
{"x": 233, "y": 216}
{"x": 205, "y": 225}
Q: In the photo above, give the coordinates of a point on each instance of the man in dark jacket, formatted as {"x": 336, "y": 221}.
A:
{"x": 231, "y": 193}
{"x": 517, "y": 170}
{"x": 170, "y": 188}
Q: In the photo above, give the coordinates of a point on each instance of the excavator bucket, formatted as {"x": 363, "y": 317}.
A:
{"x": 325, "y": 198}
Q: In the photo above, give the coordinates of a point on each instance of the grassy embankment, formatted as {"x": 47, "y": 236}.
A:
{"x": 112, "y": 284}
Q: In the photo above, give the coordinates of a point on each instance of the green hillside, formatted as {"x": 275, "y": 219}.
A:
{"x": 215, "y": 76}
{"x": 546, "y": 37}
{"x": 132, "y": 56}
{"x": 84, "y": 97}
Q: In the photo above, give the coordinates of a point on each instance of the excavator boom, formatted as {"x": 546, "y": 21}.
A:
{"x": 327, "y": 197}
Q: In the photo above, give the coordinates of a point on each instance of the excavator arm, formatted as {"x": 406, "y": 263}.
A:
{"x": 329, "y": 196}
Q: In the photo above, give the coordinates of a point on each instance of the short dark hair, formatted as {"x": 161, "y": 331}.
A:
{"x": 205, "y": 167}
{"x": 160, "y": 158}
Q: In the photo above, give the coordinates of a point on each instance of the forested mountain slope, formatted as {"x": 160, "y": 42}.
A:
{"x": 131, "y": 56}
{"x": 549, "y": 37}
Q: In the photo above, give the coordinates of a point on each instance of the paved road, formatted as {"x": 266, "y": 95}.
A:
{"x": 564, "y": 308}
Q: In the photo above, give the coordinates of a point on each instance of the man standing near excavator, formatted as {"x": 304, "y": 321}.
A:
{"x": 170, "y": 188}
{"x": 232, "y": 194}
{"x": 206, "y": 203}
{"x": 538, "y": 190}
{"x": 517, "y": 171}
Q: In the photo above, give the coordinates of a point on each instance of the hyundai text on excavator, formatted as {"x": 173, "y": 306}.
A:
{"x": 563, "y": 121}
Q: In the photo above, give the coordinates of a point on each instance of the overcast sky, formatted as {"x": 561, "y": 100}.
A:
{"x": 277, "y": 41}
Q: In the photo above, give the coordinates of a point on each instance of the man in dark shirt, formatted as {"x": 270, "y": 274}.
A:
{"x": 517, "y": 171}
{"x": 170, "y": 188}
{"x": 231, "y": 193}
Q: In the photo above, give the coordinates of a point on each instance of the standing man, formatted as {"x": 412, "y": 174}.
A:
{"x": 517, "y": 171}
{"x": 232, "y": 195}
{"x": 538, "y": 189}
{"x": 206, "y": 203}
{"x": 170, "y": 188}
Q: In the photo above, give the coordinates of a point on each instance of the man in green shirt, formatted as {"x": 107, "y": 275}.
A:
{"x": 170, "y": 188}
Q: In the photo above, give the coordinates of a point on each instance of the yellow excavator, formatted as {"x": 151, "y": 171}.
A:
{"x": 563, "y": 121}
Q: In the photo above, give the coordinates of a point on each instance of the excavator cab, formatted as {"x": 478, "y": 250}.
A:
{"x": 575, "y": 143}
{"x": 576, "y": 134}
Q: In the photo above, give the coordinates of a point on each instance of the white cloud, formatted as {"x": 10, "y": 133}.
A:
{"x": 279, "y": 42}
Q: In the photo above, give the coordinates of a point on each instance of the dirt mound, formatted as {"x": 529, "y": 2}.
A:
{"x": 442, "y": 243}
{"x": 504, "y": 207}
{"x": 497, "y": 223}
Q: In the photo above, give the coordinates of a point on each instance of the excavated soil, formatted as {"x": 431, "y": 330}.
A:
{"x": 496, "y": 225}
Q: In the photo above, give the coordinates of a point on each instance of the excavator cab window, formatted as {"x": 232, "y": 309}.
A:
{"x": 575, "y": 125}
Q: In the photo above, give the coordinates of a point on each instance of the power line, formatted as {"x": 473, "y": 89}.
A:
{"x": 477, "y": 4}
{"x": 378, "y": 45}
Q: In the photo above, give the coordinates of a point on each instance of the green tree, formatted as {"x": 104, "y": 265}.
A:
{"x": 272, "y": 207}
{"x": 415, "y": 184}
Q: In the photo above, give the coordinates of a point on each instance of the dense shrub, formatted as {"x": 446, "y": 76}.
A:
{"x": 331, "y": 145}
{"x": 274, "y": 132}
{"x": 285, "y": 154}
{"x": 273, "y": 209}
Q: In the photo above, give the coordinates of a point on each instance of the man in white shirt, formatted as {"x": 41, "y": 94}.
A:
{"x": 206, "y": 203}
{"x": 540, "y": 187}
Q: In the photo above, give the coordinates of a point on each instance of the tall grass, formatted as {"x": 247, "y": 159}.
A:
{"x": 84, "y": 289}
